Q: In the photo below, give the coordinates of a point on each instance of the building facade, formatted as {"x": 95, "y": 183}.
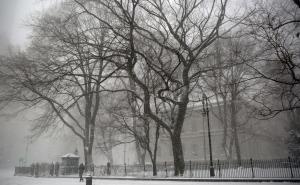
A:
{"x": 258, "y": 139}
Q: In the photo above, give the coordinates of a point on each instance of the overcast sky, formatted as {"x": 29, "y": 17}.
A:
{"x": 14, "y": 128}
{"x": 14, "y": 14}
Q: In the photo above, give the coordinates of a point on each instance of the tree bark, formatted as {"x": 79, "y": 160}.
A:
{"x": 234, "y": 126}
{"x": 85, "y": 153}
{"x": 154, "y": 167}
{"x": 88, "y": 156}
{"x": 177, "y": 155}
{"x": 225, "y": 131}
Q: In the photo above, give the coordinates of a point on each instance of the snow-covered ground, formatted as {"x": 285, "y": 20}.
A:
{"x": 7, "y": 178}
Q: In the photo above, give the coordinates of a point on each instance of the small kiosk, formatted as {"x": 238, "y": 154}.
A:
{"x": 70, "y": 163}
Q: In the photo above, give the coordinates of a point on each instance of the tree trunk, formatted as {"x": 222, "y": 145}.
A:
{"x": 110, "y": 155}
{"x": 131, "y": 100}
{"x": 155, "y": 150}
{"x": 154, "y": 167}
{"x": 237, "y": 147}
{"x": 177, "y": 155}
{"x": 88, "y": 156}
{"x": 225, "y": 132}
{"x": 139, "y": 153}
{"x": 85, "y": 153}
{"x": 236, "y": 139}
{"x": 234, "y": 128}
{"x": 90, "y": 160}
{"x": 90, "y": 148}
{"x": 230, "y": 147}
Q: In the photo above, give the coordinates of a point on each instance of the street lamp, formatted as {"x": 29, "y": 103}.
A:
{"x": 206, "y": 112}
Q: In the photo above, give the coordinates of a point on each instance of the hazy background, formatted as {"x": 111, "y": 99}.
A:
{"x": 14, "y": 126}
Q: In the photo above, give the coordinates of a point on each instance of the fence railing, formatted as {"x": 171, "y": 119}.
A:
{"x": 275, "y": 168}
{"x": 46, "y": 169}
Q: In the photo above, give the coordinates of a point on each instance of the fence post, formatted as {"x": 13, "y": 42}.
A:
{"x": 290, "y": 164}
{"x": 125, "y": 169}
{"x": 191, "y": 174}
{"x": 144, "y": 169}
{"x": 251, "y": 163}
{"x": 220, "y": 175}
{"x": 166, "y": 169}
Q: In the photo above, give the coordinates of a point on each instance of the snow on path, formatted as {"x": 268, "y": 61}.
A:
{"x": 8, "y": 179}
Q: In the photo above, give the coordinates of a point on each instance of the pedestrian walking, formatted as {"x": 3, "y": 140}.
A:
{"x": 36, "y": 169}
{"x": 52, "y": 169}
{"x": 108, "y": 168}
{"x": 81, "y": 169}
{"x": 56, "y": 167}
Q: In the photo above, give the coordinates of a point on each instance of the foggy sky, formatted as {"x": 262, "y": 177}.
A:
{"x": 7, "y": 14}
{"x": 14, "y": 128}
{"x": 15, "y": 15}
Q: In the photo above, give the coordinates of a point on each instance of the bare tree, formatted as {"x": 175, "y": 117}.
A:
{"x": 64, "y": 70}
{"x": 132, "y": 102}
{"x": 129, "y": 113}
{"x": 178, "y": 33}
{"x": 274, "y": 27}
{"x": 107, "y": 134}
{"x": 229, "y": 82}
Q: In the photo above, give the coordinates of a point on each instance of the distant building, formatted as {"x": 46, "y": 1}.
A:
{"x": 258, "y": 139}
{"x": 69, "y": 163}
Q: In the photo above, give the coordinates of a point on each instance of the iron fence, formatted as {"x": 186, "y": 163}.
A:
{"x": 274, "y": 168}
{"x": 46, "y": 169}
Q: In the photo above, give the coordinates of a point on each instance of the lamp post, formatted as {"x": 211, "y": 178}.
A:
{"x": 206, "y": 111}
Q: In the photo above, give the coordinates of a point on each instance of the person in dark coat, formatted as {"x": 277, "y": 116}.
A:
{"x": 32, "y": 169}
{"x": 36, "y": 169}
{"x": 56, "y": 167}
{"x": 81, "y": 169}
{"x": 108, "y": 168}
{"x": 52, "y": 169}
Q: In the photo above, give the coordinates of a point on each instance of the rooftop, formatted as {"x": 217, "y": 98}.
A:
{"x": 70, "y": 155}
